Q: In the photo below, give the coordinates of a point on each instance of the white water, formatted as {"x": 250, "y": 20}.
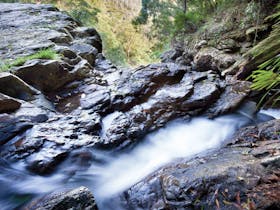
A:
{"x": 178, "y": 139}
{"x": 272, "y": 112}
{"x": 116, "y": 173}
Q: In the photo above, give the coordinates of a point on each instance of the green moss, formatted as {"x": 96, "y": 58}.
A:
{"x": 267, "y": 48}
{"x": 42, "y": 54}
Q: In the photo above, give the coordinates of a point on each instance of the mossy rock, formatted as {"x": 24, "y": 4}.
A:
{"x": 257, "y": 32}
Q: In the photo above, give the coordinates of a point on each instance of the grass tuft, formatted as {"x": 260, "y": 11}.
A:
{"x": 42, "y": 54}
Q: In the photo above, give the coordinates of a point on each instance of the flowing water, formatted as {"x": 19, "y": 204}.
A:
{"x": 112, "y": 173}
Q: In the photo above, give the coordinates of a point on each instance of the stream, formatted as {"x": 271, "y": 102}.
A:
{"x": 109, "y": 174}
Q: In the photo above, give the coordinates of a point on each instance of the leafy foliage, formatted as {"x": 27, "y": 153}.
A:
{"x": 168, "y": 18}
{"x": 267, "y": 76}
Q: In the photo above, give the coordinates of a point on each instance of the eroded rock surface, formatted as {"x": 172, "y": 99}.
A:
{"x": 77, "y": 94}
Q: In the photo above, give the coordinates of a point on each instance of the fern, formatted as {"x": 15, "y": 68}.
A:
{"x": 267, "y": 78}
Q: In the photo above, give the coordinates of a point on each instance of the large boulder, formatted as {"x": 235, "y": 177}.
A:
{"x": 135, "y": 86}
{"x": 234, "y": 94}
{"x": 193, "y": 94}
{"x": 8, "y": 104}
{"x": 79, "y": 199}
{"x": 210, "y": 58}
{"x": 47, "y": 75}
{"x": 15, "y": 87}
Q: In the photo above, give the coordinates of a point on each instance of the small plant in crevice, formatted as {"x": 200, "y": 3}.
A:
{"x": 42, "y": 54}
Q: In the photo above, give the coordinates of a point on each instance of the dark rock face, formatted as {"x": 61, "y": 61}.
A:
{"x": 11, "y": 127}
{"x": 13, "y": 86}
{"x": 234, "y": 94}
{"x": 45, "y": 75}
{"x": 136, "y": 86}
{"x": 186, "y": 98}
{"x": 241, "y": 174}
{"x": 171, "y": 55}
{"x": 34, "y": 131}
{"x": 78, "y": 199}
{"x": 8, "y": 104}
{"x": 89, "y": 36}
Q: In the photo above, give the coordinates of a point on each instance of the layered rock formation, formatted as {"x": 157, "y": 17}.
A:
{"x": 50, "y": 108}
{"x": 65, "y": 100}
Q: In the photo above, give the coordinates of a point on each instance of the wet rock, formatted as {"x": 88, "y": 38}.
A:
{"x": 234, "y": 94}
{"x": 117, "y": 129}
{"x": 33, "y": 113}
{"x": 47, "y": 144}
{"x": 86, "y": 51}
{"x": 189, "y": 97}
{"x": 79, "y": 199}
{"x": 186, "y": 58}
{"x": 104, "y": 65}
{"x": 8, "y": 104}
{"x": 232, "y": 176}
{"x": 11, "y": 127}
{"x": 89, "y": 36}
{"x": 205, "y": 93}
{"x": 136, "y": 86}
{"x": 264, "y": 131}
{"x": 45, "y": 161}
{"x": 13, "y": 86}
{"x": 36, "y": 133}
{"x": 96, "y": 98}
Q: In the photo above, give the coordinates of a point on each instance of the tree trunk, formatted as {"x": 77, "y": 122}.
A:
{"x": 185, "y": 6}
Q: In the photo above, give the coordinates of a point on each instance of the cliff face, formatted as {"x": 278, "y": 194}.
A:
{"x": 52, "y": 109}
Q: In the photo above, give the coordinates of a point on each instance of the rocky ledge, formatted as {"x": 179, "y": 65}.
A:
{"x": 50, "y": 108}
